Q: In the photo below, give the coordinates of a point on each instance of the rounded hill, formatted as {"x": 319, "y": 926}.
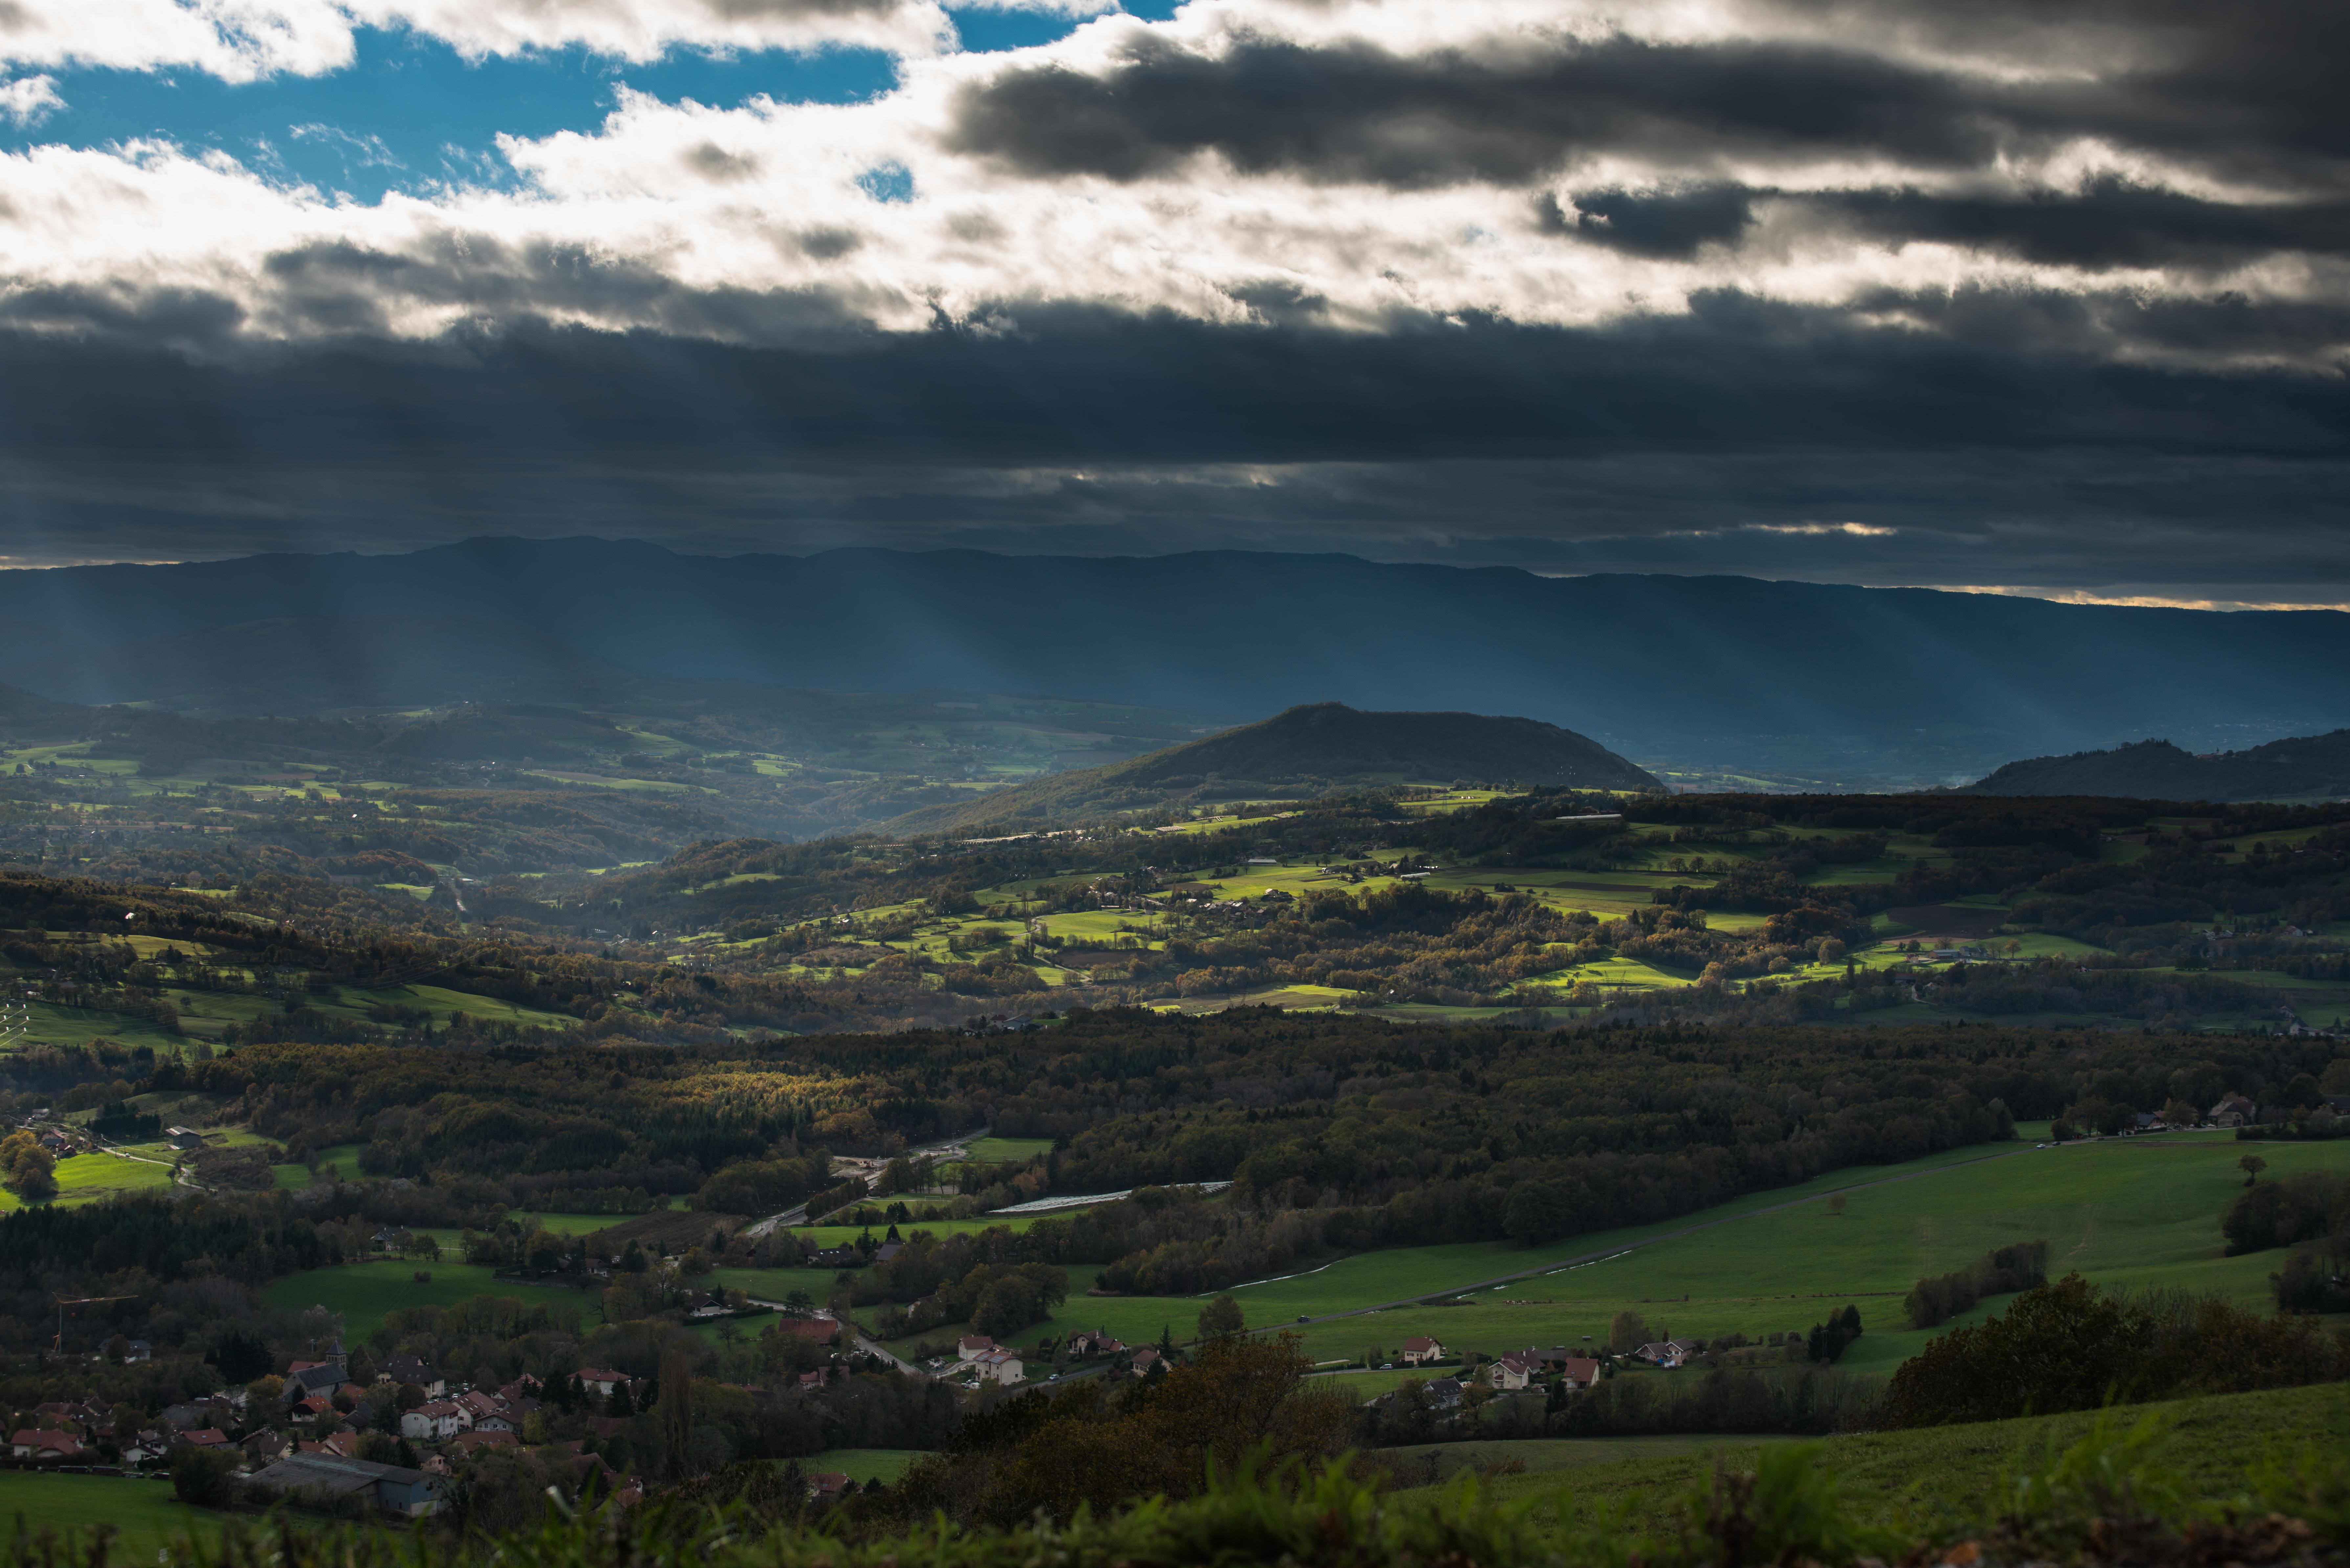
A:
{"x": 1307, "y": 751}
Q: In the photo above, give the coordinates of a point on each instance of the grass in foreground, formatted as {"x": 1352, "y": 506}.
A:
{"x": 1941, "y": 1472}
{"x": 2137, "y": 1479}
{"x": 145, "y": 1513}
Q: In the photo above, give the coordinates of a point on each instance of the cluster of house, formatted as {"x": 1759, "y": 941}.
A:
{"x": 999, "y": 1024}
{"x": 1522, "y": 1369}
{"x": 281, "y": 1454}
{"x": 1513, "y": 1372}
{"x": 2238, "y": 1110}
{"x": 980, "y": 1360}
{"x": 71, "y": 1430}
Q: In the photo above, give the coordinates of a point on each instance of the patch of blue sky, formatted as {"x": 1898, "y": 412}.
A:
{"x": 411, "y": 114}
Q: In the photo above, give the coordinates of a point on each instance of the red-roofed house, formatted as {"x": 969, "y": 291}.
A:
{"x": 971, "y": 1347}
{"x": 474, "y": 1442}
{"x": 35, "y": 1444}
{"x": 1416, "y": 1351}
{"x": 602, "y": 1379}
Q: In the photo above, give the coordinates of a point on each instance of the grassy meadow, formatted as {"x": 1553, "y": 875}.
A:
{"x": 364, "y": 1293}
{"x": 91, "y": 1178}
{"x": 2126, "y": 1213}
{"x": 1941, "y": 1473}
{"x": 862, "y": 1465}
{"x": 143, "y": 1512}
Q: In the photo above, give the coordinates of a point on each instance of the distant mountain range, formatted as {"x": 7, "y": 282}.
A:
{"x": 1849, "y": 683}
{"x": 1305, "y": 751}
{"x": 2314, "y": 766}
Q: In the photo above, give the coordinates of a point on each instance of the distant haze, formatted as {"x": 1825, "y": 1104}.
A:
{"x": 1720, "y": 670}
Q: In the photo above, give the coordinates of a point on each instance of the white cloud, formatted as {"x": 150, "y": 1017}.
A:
{"x": 761, "y": 224}
{"x": 247, "y": 40}
{"x": 29, "y": 101}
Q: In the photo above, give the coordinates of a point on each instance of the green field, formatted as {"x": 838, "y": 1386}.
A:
{"x": 774, "y": 1284}
{"x": 149, "y": 1517}
{"x": 2125, "y": 1212}
{"x": 1941, "y": 1473}
{"x": 88, "y": 1177}
{"x": 364, "y": 1293}
{"x": 862, "y": 1465}
{"x": 996, "y": 1150}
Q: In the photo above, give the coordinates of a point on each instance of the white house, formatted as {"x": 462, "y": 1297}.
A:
{"x": 1419, "y": 1350}
{"x": 435, "y": 1422}
{"x": 998, "y": 1367}
{"x": 1513, "y": 1373}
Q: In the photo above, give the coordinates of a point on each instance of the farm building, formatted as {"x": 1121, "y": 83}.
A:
{"x": 411, "y": 1494}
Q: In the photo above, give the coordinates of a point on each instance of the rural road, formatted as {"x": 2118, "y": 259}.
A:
{"x": 798, "y": 1216}
{"x": 858, "y": 1340}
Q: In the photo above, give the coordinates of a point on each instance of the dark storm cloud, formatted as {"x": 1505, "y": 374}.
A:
{"x": 1738, "y": 439}
{"x": 2247, "y": 86}
{"x": 2109, "y": 222}
{"x": 1356, "y": 112}
{"x": 1670, "y": 223}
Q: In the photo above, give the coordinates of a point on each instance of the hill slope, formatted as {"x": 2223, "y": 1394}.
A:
{"x": 2157, "y": 770}
{"x": 1307, "y": 751}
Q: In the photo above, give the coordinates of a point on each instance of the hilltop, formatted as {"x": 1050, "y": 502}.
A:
{"x": 1304, "y": 752}
{"x": 2157, "y": 770}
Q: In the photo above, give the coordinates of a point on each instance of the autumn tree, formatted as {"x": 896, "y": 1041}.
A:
{"x": 27, "y": 1169}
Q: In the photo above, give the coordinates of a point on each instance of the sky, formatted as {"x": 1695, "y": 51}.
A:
{"x": 2044, "y": 298}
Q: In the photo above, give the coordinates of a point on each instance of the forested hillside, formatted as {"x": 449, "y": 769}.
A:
{"x": 2311, "y": 766}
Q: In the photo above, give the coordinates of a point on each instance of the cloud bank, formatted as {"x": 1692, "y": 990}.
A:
{"x": 2042, "y": 252}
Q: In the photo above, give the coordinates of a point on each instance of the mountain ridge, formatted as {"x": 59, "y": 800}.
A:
{"x": 1827, "y": 678}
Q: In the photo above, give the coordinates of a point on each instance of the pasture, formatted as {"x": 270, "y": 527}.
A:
{"x": 91, "y": 1178}
{"x": 143, "y": 1510}
{"x": 862, "y": 1465}
{"x": 364, "y": 1293}
{"x": 1954, "y": 1473}
{"x": 2128, "y": 1213}
{"x": 996, "y": 1150}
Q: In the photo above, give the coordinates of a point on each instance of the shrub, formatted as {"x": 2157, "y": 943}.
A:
{"x": 2071, "y": 1347}
{"x": 1997, "y": 1273}
{"x": 204, "y": 1477}
{"x": 2280, "y": 1214}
